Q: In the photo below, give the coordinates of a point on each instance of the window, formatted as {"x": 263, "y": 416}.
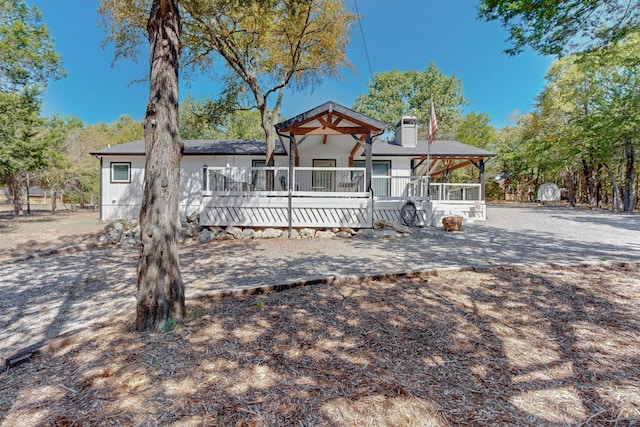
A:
{"x": 381, "y": 168}
{"x": 121, "y": 172}
{"x": 259, "y": 177}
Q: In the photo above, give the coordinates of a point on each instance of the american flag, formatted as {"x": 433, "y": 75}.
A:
{"x": 433, "y": 124}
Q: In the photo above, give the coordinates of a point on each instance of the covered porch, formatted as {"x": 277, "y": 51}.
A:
{"x": 330, "y": 197}
{"x": 338, "y": 174}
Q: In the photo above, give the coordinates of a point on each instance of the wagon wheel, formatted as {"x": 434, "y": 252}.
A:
{"x": 409, "y": 214}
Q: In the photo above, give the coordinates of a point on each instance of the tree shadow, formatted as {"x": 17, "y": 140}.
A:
{"x": 504, "y": 347}
{"x": 496, "y": 346}
{"x": 622, "y": 221}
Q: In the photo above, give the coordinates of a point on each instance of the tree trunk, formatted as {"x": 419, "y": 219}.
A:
{"x": 160, "y": 285}
{"x": 589, "y": 175}
{"x": 617, "y": 200}
{"x": 54, "y": 200}
{"x": 269, "y": 134}
{"x": 15, "y": 190}
{"x": 571, "y": 188}
{"x": 629, "y": 176}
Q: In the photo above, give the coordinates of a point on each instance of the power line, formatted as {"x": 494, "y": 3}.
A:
{"x": 364, "y": 42}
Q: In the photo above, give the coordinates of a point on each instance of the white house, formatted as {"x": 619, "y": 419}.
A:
{"x": 331, "y": 169}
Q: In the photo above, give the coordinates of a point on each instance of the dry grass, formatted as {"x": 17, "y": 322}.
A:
{"x": 507, "y": 346}
{"x": 42, "y": 231}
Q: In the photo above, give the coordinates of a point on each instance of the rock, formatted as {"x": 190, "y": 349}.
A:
{"x": 343, "y": 234}
{"x": 205, "y": 236}
{"x": 182, "y": 234}
{"x": 235, "y": 232}
{"x": 128, "y": 241}
{"x": 193, "y": 230}
{"x": 135, "y": 230}
{"x": 324, "y": 234}
{"x": 379, "y": 224}
{"x": 129, "y": 224}
{"x": 307, "y": 233}
{"x": 114, "y": 236}
{"x": 387, "y": 233}
{"x": 225, "y": 236}
{"x": 103, "y": 238}
{"x": 366, "y": 233}
{"x": 403, "y": 229}
{"x": 351, "y": 231}
{"x": 248, "y": 234}
{"x": 258, "y": 234}
{"x": 192, "y": 217}
{"x": 271, "y": 233}
{"x": 115, "y": 225}
{"x": 294, "y": 234}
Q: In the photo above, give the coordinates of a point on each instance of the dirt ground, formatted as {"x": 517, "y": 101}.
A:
{"x": 504, "y": 346}
{"x": 41, "y": 231}
{"x": 501, "y": 346}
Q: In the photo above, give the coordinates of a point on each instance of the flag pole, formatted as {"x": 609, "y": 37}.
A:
{"x": 429, "y": 158}
{"x": 433, "y": 130}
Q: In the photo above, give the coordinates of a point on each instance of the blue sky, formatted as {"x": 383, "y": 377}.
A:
{"x": 399, "y": 34}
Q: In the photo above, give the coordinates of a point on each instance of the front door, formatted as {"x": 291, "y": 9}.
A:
{"x": 323, "y": 180}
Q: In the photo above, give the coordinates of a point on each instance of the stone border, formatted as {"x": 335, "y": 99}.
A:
{"x": 21, "y": 356}
{"x": 127, "y": 232}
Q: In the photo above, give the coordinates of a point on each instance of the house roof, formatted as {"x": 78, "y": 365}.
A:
{"x": 337, "y": 118}
{"x": 439, "y": 149}
{"x": 194, "y": 147}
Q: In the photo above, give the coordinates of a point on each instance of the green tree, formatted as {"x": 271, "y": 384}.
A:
{"x": 394, "y": 94}
{"x": 27, "y": 53}
{"x": 27, "y": 61}
{"x": 21, "y": 152}
{"x": 267, "y": 46}
{"x": 474, "y": 129}
{"x": 58, "y": 172}
{"x": 195, "y": 121}
{"x": 559, "y": 27}
{"x": 203, "y": 120}
{"x": 617, "y": 112}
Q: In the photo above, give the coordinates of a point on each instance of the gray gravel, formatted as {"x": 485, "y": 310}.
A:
{"x": 41, "y": 298}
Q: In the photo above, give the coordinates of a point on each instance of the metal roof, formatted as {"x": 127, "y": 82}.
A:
{"x": 199, "y": 147}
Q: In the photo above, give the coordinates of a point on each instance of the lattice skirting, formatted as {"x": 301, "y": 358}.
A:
{"x": 273, "y": 212}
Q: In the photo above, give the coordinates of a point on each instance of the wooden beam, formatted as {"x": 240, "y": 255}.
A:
{"x": 342, "y": 130}
{"x": 354, "y": 150}
{"x": 451, "y": 167}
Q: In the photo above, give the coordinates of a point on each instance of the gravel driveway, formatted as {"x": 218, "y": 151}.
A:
{"x": 43, "y": 297}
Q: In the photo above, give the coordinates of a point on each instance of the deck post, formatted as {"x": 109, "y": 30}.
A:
{"x": 291, "y": 183}
{"x": 368, "y": 164}
{"x": 482, "y": 178}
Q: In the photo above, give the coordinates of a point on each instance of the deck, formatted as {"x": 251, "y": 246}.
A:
{"x": 329, "y": 197}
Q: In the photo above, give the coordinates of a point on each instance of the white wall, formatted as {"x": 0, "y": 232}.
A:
{"x": 123, "y": 200}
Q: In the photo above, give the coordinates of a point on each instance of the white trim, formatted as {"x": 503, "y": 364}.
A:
{"x": 112, "y": 172}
